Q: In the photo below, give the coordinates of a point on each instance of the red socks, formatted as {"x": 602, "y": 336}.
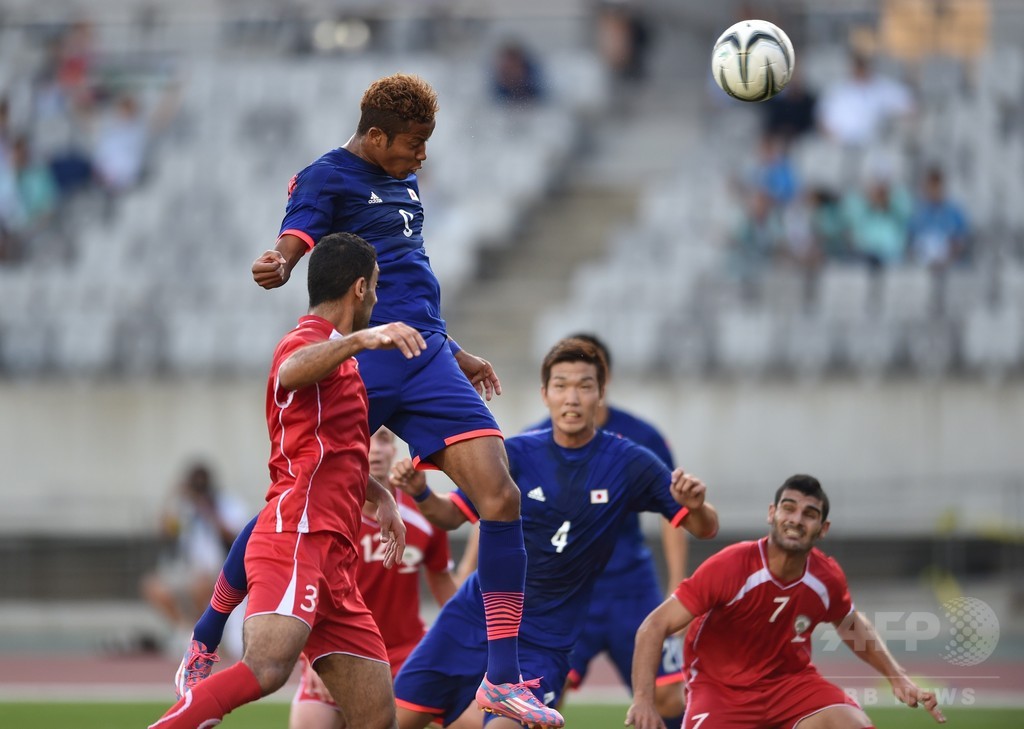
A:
{"x": 206, "y": 704}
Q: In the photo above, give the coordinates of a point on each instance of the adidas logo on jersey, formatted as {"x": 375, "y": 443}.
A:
{"x": 537, "y": 494}
{"x": 374, "y": 198}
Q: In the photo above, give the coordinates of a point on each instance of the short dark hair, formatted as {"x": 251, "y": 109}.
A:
{"x": 394, "y": 102}
{"x": 574, "y": 349}
{"x": 338, "y": 260}
{"x": 593, "y": 339}
{"x": 808, "y": 486}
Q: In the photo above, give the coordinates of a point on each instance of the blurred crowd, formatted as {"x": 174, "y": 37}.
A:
{"x": 71, "y": 125}
{"x": 880, "y": 220}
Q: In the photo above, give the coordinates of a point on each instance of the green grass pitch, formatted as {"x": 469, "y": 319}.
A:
{"x": 273, "y": 715}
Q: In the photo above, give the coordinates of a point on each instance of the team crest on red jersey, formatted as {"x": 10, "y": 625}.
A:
{"x": 800, "y": 626}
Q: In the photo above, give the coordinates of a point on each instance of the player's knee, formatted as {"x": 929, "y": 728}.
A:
{"x": 271, "y": 675}
{"x": 501, "y": 503}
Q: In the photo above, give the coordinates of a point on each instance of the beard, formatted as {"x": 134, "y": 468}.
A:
{"x": 794, "y": 545}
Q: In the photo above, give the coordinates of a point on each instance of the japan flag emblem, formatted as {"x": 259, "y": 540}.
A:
{"x": 599, "y": 496}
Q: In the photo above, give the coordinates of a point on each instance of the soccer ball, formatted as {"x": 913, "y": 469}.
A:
{"x": 752, "y": 60}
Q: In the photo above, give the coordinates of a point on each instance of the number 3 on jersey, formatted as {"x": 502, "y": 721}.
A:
{"x": 561, "y": 537}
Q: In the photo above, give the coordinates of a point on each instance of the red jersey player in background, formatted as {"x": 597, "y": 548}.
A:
{"x": 393, "y": 596}
{"x": 753, "y": 606}
{"x": 301, "y": 559}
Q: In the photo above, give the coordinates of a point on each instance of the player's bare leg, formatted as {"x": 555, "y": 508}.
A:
{"x": 362, "y": 689}
{"x": 272, "y": 646}
{"x": 836, "y": 717}
{"x": 479, "y": 467}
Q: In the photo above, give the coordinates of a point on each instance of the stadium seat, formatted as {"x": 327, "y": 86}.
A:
{"x": 84, "y": 340}
{"x": 745, "y": 341}
{"x": 808, "y": 346}
{"x": 992, "y": 341}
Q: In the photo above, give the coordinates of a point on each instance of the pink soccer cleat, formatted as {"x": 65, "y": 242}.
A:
{"x": 196, "y": 664}
{"x": 516, "y": 701}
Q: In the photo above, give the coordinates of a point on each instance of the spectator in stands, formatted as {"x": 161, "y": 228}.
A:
{"x": 813, "y": 230}
{"x": 858, "y": 110}
{"x": 74, "y": 58}
{"x": 938, "y": 226}
{"x": 28, "y": 200}
{"x": 200, "y": 523}
{"x": 38, "y": 195}
{"x": 61, "y": 117}
{"x": 757, "y": 239}
{"x": 791, "y": 114}
{"x": 623, "y": 40}
{"x": 773, "y": 172}
{"x": 516, "y": 77}
{"x": 122, "y": 140}
{"x": 877, "y": 220}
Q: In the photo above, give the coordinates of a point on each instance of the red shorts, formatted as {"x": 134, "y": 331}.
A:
{"x": 311, "y": 577}
{"x": 781, "y": 703}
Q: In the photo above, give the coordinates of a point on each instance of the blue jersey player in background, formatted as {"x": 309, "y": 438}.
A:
{"x": 579, "y": 484}
{"x": 628, "y": 588}
{"x": 368, "y": 187}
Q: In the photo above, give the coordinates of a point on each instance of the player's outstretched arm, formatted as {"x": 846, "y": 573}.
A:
{"x": 861, "y": 637}
{"x": 439, "y": 510}
{"x": 314, "y": 362}
{"x": 480, "y": 373}
{"x": 392, "y": 528}
{"x": 689, "y": 491}
{"x": 274, "y": 267}
{"x": 666, "y": 619}
{"x": 673, "y": 543}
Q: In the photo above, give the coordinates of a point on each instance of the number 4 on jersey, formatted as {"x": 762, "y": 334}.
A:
{"x": 561, "y": 537}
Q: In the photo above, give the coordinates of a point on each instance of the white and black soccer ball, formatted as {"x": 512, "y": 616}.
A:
{"x": 752, "y": 60}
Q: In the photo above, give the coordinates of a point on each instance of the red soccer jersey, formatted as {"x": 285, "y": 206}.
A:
{"x": 750, "y": 626}
{"x": 319, "y": 445}
{"x": 393, "y": 595}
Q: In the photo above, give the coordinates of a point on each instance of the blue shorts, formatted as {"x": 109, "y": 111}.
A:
{"x": 426, "y": 401}
{"x": 442, "y": 674}
{"x": 611, "y": 626}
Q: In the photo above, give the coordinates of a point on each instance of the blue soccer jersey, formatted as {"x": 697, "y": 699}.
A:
{"x": 631, "y": 561}
{"x": 574, "y": 501}
{"x": 627, "y": 589}
{"x": 342, "y": 193}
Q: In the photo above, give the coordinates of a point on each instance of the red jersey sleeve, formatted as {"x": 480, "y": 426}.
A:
{"x": 840, "y": 602}
{"x": 295, "y": 341}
